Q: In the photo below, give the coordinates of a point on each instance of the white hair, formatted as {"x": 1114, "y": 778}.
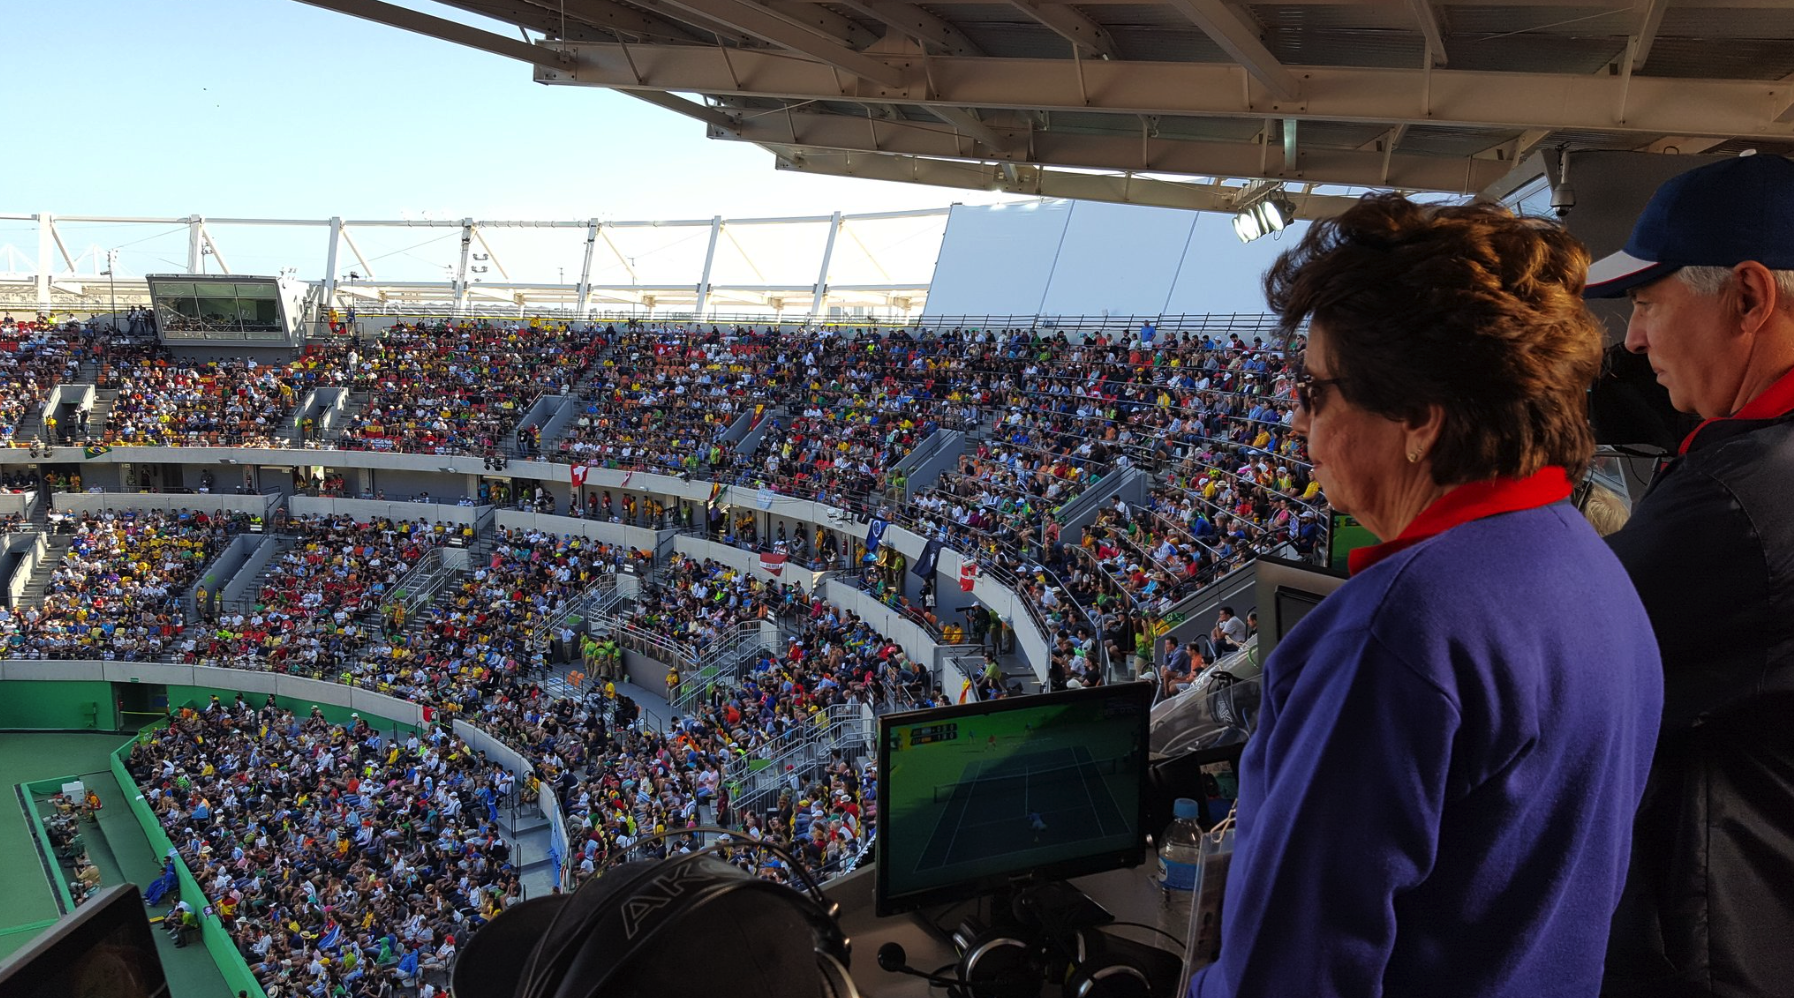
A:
{"x": 1710, "y": 281}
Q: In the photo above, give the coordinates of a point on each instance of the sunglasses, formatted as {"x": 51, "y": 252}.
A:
{"x": 1310, "y": 390}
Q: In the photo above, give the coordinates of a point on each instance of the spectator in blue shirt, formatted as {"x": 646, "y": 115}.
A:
{"x": 1505, "y": 741}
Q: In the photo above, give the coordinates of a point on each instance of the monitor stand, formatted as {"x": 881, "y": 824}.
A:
{"x": 1058, "y": 907}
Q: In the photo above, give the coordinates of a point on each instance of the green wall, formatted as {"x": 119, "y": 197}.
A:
{"x": 212, "y": 933}
{"x": 52, "y": 705}
{"x": 44, "y": 788}
{"x": 75, "y": 704}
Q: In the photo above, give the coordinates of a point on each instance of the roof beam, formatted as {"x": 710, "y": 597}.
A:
{"x": 819, "y": 19}
{"x": 691, "y": 109}
{"x": 1459, "y": 98}
{"x": 917, "y": 23}
{"x": 1387, "y": 141}
{"x": 1064, "y": 20}
{"x": 1241, "y": 42}
{"x": 443, "y": 28}
{"x": 966, "y": 121}
{"x": 604, "y": 14}
{"x": 1122, "y": 151}
{"x": 1515, "y": 149}
{"x": 1036, "y": 181}
{"x": 1644, "y": 35}
{"x": 1429, "y": 26}
{"x": 724, "y": 33}
{"x": 1682, "y": 144}
{"x": 762, "y": 23}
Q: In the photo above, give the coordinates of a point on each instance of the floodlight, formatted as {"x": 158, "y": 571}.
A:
{"x": 1274, "y": 214}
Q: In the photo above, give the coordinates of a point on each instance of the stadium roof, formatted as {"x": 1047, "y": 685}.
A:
{"x": 1156, "y": 102}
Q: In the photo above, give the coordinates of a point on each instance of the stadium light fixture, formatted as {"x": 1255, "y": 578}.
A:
{"x": 1272, "y": 213}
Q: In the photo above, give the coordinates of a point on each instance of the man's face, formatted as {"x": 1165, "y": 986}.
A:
{"x": 1692, "y": 343}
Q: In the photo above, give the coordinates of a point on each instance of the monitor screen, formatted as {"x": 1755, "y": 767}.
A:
{"x": 1286, "y": 592}
{"x": 104, "y": 948}
{"x": 980, "y": 796}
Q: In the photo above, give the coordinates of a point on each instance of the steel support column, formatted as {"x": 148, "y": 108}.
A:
{"x": 585, "y": 266}
{"x": 196, "y": 235}
{"x": 211, "y": 246}
{"x": 336, "y": 234}
{"x": 46, "y": 241}
{"x": 716, "y": 230}
{"x": 819, "y": 297}
{"x": 461, "y": 268}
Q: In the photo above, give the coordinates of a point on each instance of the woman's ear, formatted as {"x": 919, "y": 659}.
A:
{"x": 1421, "y": 431}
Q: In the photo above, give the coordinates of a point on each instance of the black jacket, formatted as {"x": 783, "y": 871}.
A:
{"x": 1709, "y": 901}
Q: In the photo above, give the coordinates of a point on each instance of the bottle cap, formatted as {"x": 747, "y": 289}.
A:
{"x": 1184, "y": 808}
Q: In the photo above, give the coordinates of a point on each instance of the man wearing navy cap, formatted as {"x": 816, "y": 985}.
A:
{"x": 1709, "y": 901}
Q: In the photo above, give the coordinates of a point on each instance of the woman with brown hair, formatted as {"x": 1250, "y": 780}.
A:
{"x": 1438, "y": 798}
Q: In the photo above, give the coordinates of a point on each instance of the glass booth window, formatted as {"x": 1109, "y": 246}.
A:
{"x": 220, "y": 306}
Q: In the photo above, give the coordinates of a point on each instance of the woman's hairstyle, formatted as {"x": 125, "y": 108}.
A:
{"x": 1465, "y": 307}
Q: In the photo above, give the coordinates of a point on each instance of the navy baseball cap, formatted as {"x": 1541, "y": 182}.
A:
{"x": 1718, "y": 215}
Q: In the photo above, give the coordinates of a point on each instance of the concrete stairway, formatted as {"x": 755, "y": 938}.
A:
{"x": 527, "y": 830}
{"x": 31, "y": 427}
{"x": 56, "y": 546}
{"x": 103, "y": 400}
{"x": 352, "y": 407}
{"x": 251, "y": 594}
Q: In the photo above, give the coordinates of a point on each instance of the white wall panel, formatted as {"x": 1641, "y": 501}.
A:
{"x": 1118, "y": 259}
{"x": 1221, "y": 275}
{"x": 1059, "y": 257}
{"x": 996, "y": 259}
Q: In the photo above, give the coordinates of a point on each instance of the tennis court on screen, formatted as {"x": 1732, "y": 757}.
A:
{"x": 1022, "y": 802}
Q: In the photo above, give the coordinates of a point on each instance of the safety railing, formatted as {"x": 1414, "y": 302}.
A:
{"x": 593, "y": 600}
{"x": 724, "y": 660}
{"x": 756, "y": 779}
{"x": 420, "y": 586}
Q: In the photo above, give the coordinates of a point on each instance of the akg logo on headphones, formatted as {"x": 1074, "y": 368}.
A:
{"x": 657, "y": 894}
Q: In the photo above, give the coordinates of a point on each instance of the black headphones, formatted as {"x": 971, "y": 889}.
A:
{"x": 1097, "y": 971}
{"x": 1011, "y": 960}
{"x": 591, "y": 943}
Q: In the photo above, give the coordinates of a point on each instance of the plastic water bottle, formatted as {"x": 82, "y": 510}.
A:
{"x": 1180, "y": 850}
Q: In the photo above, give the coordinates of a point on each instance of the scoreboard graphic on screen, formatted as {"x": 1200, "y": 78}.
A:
{"x": 923, "y": 734}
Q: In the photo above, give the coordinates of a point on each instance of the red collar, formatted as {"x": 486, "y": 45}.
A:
{"x": 1470, "y": 502}
{"x": 1776, "y": 400}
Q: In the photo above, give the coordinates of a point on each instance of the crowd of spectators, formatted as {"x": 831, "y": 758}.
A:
{"x": 32, "y": 361}
{"x": 310, "y": 612}
{"x": 694, "y": 602}
{"x": 442, "y": 388}
{"x": 480, "y": 640}
{"x": 118, "y": 591}
{"x": 665, "y": 407}
{"x": 162, "y": 401}
{"x": 1047, "y": 419}
{"x": 342, "y": 859}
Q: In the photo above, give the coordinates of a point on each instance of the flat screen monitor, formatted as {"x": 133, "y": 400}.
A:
{"x": 104, "y": 948}
{"x": 1286, "y": 591}
{"x": 979, "y": 797}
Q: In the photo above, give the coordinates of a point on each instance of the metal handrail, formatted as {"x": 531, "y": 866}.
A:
{"x": 421, "y": 585}
{"x": 586, "y": 599}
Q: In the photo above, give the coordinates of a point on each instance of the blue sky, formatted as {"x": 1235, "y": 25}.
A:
{"x": 275, "y": 108}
